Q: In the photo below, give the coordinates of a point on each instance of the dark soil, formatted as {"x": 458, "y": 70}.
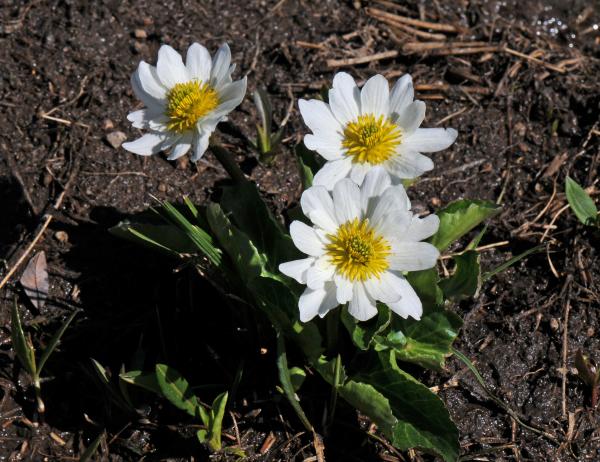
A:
{"x": 64, "y": 86}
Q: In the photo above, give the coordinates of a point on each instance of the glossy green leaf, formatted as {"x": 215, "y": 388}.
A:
{"x": 418, "y": 419}
{"x": 176, "y": 389}
{"x": 466, "y": 280}
{"x": 426, "y": 285}
{"x": 460, "y": 217}
{"x": 22, "y": 345}
{"x": 217, "y": 412}
{"x": 146, "y": 380}
{"x": 53, "y": 343}
{"x": 427, "y": 342}
{"x": 297, "y": 377}
{"x": 581, "y": 203}
{"x": 362, "y": 333}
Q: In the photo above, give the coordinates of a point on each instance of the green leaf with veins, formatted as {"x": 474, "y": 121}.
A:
{"x": 466, "y": 280}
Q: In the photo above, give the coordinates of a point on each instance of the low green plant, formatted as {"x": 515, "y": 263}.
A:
{"x": 581, "y": 203}
{"x": 266, "y": 141}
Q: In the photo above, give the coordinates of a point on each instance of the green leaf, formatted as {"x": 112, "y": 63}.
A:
{"x": 217, "y": 413}
{"x": 362, "y": 333}
{"x": 421, "y": 420}
{"x": 22, "y": 345}
{"x": 426, "y": 285}
{"x": 286, "y": 383}
{"x": 146, "y": 380}
{"x": 510, "y": 262}
{"x": 429, "y": 341}
{"x": 460, "y": 217}
{"x": 176, "y": 389}
{"x": 466, "y": 280}
{"x": 367, "y": 399}
{"x": 52, "y": 344}
{"x": 297, "y": 377}
{"x": 248, "y": 211}
{"x": 581, "y": 203}
{"x": 309, "y": 163}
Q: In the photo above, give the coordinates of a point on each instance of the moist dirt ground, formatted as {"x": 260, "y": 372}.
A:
{"x": 526, "y": 108}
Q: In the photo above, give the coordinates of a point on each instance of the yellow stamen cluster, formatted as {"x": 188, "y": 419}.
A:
{"x": 357, "y": 251}
{"x": 188, "y": 102}
{"x": 370, "y": 139}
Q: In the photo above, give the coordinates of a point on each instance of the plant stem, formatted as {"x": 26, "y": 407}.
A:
{"x": 228, "y": 163}
{"x": 38, "y": 396}
{"x": 337, "y": 372}
{"x": 333, "y": 325}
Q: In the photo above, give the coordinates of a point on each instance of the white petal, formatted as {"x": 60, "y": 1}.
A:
{"x": 375, "y": 97}
{"x": 375, "y": 182}
{"x": 358, "y": 172}
{"x": 344, "y": 98}
{"x": 313, "y": 302}
{"x": 230, "y": 96}
{"x": 198, "y": 62}
{"x": 393, "y": 198}
{"x": 344, "y": 288}
{"x": 200, "y": 145}
{"x": 385, "y": 288}
{"x": 430, "y": 139}
{"x": 332, "y": 172}
{"x": 306, "y": 239}
{"x": 143, "y": 118}
{"x": 401, "y": 96}
{"x": 318, "y": 117}
{"x": 319, "y": 273}
{"x": 412, "y": 256}
{"x": 361, "y": 306}
{"x": 408, "y": 164}
{"x": 150, "y": 143}
{"x": 147, "y": 87}
{"x": 170, "y": 67}
{"x": 411, "y": 117}
{"x": 393, "y": 224}
{"x": 317, "y": 205}
{"x": 421, "y": 228}
{"x": 220, "y": 73}
{"x": 409, "y": 303}
{"x": 346, "y": 201}
{"x": 181, "y": 148}
{"x": 330, "y": 146}
{"x": 297, "y": 269}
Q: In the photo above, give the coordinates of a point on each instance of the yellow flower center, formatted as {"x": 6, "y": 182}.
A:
{"x": 188, "y": 102}
{"x": 357, "y": 251}
{"x": 370, "y": 139}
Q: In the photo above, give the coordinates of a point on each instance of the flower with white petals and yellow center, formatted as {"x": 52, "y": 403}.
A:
{"x": 361, "y": 242}
{"x": 184, "y": 102}
{"x": 360, "y": 129}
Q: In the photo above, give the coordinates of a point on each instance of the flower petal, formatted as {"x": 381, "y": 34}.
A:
{"x": 344, "y": 288}
{"x": 230, "y": 96}
{"x": 313, "y": 302}
{"x": 297, "y": 269}
{"x": 409, "y": 303}
{"x": 319, "y": 273}
{"x": 147, "y": 87}
{"x": 305, "y": 239}
{"x": 385, "y": 288}
{"x": 332, "y": 172}
{"x": 411, "y": 117}
{"x": 329, "y": 147}
{"x": 346, "y": 201}
{"x": 412, "y": 256}
{"x": 344, "y": 98}
{"x": 409, "y": 164}
{"x": 181, "y": 148}
{"x": 317, "y": 205}
{"x": 148, "y": 144}
{"x": 430, "y": 139}
{"x": 401, "y": 96}
{"x": 198, "y": 62}
{"x": 318, "y": 117}
{"x": 393, "y": 224}
{"x": 170, "y": 67}
{"x": 375, "y": 97}
{"x": 361, "y": 306}
{"x": 146, "y": 118}
{"x": 200, "y": 145}
{"x": 220, "y": 73}
{"x": 421, "y": 228}
{"x": 375, "y": 182}
{"x": 358, "y": 172}
{"x": 393, "y": 198}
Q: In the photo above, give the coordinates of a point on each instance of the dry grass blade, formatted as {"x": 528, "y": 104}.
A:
{"x": 332, "y": 63}
{"x": 391, "y": 17}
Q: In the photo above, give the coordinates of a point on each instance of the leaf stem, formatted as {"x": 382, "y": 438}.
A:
{"x": 229, "y": 164}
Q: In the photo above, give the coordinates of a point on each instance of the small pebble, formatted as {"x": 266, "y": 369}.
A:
{"x": 47, "y": 179}
{"x": 435, "y": 201}
{"x": 554, "y": 324}
{"x": 61, "y": 236}
{"x": 140, "y": 34}
{"x": 140, "y": 47}
{"x": 162, "y": 187}
{"x": 183, "y": 162}
{"x": 116, "y": 139}
{"x": 108, "y": 124}
{"x": 590, "y": 332}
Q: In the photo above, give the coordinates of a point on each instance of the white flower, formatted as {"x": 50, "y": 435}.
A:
{"x": 184, "y": 102}
{"x": 360, "y": 129}
{"x": 362, "y": 241}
